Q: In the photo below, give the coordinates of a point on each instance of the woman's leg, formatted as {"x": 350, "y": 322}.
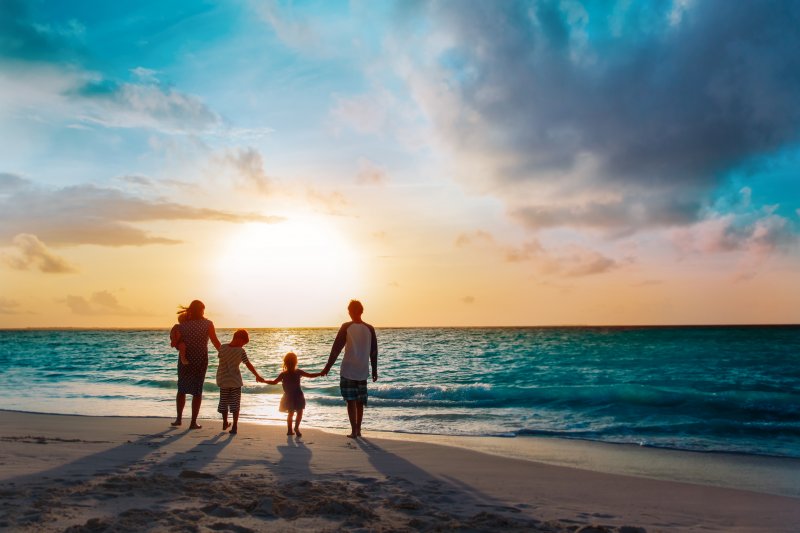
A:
{"x": 197, "y": 399}
{"x": 180, "y": 401}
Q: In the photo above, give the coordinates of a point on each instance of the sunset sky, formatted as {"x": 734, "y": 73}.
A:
{"x": 452, "y": 163}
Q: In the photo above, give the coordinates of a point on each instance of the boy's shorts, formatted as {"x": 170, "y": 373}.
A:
{"x": 354, "y": 390}
{"x": 229, "y": 399}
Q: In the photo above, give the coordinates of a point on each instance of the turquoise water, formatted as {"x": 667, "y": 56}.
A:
{"x": 734, "y": 389}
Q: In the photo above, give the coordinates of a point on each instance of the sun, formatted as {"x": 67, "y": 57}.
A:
{"x": 301, "y": 272}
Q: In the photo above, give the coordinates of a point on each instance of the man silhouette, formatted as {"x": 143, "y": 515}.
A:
{"x": 360, "y": 351}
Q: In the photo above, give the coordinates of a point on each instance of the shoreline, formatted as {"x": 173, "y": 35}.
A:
{"x": 131, "y": 473}
{"x": 751, "y": 472}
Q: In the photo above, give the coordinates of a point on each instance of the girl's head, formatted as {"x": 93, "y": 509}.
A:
{"x": 194, "y": 311}
{"x": 290, "y": 362}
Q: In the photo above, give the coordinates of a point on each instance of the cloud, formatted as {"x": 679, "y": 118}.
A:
{"x": 8, "y": 306}
{"x": 88, "y": 214}
{"x": 248, "y": 167}
{"x": 331, "y": 202}
{"x": 370, "y": 174}
{"x": 33, "y": 254}
{"x": 568, "y": 260}
{"x": 618, "y": 116}
{"x": 99, "y": 303}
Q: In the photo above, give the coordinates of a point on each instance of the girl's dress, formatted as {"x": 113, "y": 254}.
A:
{"x": 293, "y": 398}
{"x": 194, "y": 334}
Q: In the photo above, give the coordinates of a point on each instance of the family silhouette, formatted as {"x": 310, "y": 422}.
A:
{"x": 191, "y": 335}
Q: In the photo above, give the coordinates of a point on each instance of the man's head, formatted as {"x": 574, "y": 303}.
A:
{"x": 355, "y": 309}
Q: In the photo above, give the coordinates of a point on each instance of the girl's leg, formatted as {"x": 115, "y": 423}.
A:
{"x": 297, "y": 420}
{"x": 180, "y": 401}
{"x": 197, "y": 399}
{"x": 289, "y": 417}
{"x": 235, "y": 427}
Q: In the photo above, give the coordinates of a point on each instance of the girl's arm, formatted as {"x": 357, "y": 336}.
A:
{"x": 212, "y": 334}
{"x": 307, "y": 375}
{"x": 273, "y": 381}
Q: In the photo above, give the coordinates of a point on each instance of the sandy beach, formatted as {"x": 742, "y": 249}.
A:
{"x": 77, "y": 473}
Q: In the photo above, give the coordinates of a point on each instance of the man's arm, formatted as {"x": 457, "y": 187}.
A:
{"x": 336, "y": 349}
{"x": 373, "y": 353}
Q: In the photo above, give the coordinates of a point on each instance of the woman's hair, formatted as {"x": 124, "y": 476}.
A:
{"x": 194, "y": 311}
{"x": 290, "y": 362}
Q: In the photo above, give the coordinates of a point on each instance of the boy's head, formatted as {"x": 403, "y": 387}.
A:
{"x": 355, "y": 309}
{"x": 240, "y": 337}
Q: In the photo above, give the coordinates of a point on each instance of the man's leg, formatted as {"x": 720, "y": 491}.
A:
{"x": 359, "y": 416}
{"x": 197, "y": 399}
{"x": 180, "y": 402}
{"x": 352, "y": 414}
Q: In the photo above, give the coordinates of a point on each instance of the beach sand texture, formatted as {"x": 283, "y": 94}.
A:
{"x": 76, "y": 473}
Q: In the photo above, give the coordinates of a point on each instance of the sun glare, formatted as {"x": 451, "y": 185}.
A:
{"x": 301, "y": 272}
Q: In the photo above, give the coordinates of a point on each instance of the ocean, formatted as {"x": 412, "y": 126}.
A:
{"x": 712, "y": 389}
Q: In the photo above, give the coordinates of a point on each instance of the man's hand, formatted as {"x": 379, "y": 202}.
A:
{"x": 324, "y": 372}
{"x": 374, "y": 377}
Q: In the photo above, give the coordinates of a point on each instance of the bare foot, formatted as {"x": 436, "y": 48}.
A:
{"x": 352, "y": 436}
{"x": 176, "y": 423}
{"x": 195, "y": 426}
{"x": 225, "y": 425}
{"x": 234, "y": 431}
{"x": 290, "y": 433}
{"x": 297, "y": 432}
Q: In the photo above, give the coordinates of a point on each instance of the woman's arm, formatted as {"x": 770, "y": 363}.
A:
{"x": 212, "y": 334}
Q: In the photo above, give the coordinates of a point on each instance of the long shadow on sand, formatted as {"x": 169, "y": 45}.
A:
{"x": 431, "y": 490}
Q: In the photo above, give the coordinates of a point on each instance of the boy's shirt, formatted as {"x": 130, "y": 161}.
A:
{"x": 228, "y": 374}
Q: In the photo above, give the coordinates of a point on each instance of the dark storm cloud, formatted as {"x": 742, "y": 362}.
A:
{"x": 663, "y": 99}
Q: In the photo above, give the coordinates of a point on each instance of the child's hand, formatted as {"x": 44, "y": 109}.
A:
{"x": 184, "y": 361}
{"x": 259, "y": 379}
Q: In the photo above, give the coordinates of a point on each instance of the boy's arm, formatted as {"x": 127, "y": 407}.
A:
{"x": 249, "y": 366}
{"x": 336, "y": 349}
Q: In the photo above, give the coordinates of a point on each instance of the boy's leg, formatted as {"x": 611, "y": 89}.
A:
{"x": 180, "y": 402}
{"x": 235, "y": 427}
{"x": 297, "y": 420}
{"x": 222, "y": 407}
{"x": 352, "y": 414}
{"x": 234, "y": 401}
{"x": 289, "y": 416}
{"x": 197, "y": 399}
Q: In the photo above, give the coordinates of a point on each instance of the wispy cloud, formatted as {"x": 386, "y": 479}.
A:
{"x": 247, "y": 166}
{"x": 88, "y": 214}
{"x": 370, "y": 173}
{"x": 32, "y": 254}
{"x": 99, "y": 303}
{"x": 9, "y": 306}
{"x": 568, "y": 260}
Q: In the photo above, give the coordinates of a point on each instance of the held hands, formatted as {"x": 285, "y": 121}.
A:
{"x": 374, "y": 377}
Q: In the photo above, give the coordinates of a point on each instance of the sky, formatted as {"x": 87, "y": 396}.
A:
{"x": 448, "y": 163}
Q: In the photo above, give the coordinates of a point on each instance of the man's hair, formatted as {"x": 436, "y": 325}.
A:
{"x": 356, "y": 307}
{"x": 241, "y": 334}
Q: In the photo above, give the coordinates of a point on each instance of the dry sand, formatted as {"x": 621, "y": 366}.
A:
{"x": 75, "y": 473}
